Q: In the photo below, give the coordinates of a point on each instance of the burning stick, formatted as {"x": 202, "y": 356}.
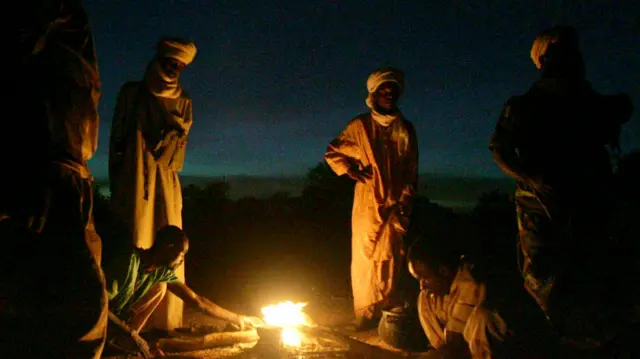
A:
{"x": 207, "y": 341}
{"x": 289, "y": 317}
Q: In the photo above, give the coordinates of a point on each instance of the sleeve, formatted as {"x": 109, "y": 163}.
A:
{"x": 617, "y": 111}
{"x": 116, "y": 271}
{"x": 344, "y": 151}
{"x": 169, "y": 276}
{"x": 483, "y": 325}
{"x": 37, "y": 21}
{"x": 410, "y": 168}
{"x": 188, "y": 118}
{"x": 459, "y": 316}
{"x": 470, "y": 295}
{"x": 505, "y": 132}
{"x": 177, "y": 162}
{"x": 119, "y": 126}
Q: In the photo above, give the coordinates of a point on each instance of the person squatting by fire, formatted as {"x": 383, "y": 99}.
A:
{"x": 138, "y": 280}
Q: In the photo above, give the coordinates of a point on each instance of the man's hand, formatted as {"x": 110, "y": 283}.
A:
{"x": 248, "y": 323}
{"x": 360, "y": 175}
{"x": 252, "y": 322}
{"x": 536, "y": 183}
{"x": 401, "y": 223}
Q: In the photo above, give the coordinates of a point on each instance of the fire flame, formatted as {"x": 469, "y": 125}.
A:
{"x": 289, "y": 317}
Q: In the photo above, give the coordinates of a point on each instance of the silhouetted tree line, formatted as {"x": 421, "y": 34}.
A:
{"x": 306, "y": 241}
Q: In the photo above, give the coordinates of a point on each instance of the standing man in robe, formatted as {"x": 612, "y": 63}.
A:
{"x": 379, "y": 150}
{"x": 146, "y": 151}
{"x": 58, "y": 305}
{"x": 553, "y": 141}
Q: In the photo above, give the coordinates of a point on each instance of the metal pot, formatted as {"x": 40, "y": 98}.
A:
{"x": 402, "y": 330}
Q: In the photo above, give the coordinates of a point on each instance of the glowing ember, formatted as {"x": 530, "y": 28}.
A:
{"x": 288, "y": 316}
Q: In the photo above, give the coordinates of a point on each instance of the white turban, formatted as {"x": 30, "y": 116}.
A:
{"x": 399, "y": 132}
{"x": 181, "y": 50}
{"x": 381, "y": 76}
{"x": 378, "y": 77}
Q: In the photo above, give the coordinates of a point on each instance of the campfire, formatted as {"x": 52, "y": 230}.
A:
{"x": 289, "y": 317}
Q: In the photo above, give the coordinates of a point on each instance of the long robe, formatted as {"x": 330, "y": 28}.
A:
{"x": 147, "y": 147}
{"x": 378, "y": 226}
{"x": 45, "y": 188}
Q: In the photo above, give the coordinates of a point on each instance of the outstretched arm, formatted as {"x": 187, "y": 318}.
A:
{"x": 203, "y": 304}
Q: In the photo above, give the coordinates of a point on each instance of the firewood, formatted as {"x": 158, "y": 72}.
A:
{"x": 212, "y": 340}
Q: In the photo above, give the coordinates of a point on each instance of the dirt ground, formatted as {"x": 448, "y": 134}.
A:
{"x": 335, "y": 313}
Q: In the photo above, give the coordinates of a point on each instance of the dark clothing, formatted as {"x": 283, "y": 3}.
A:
{"x": 559, "y": 130}
{"x": 52, "y": 103}
{"x": 49, "y": 133}
{"x": 58, "y": 294}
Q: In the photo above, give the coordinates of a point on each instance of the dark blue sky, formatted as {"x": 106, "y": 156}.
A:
{"x": 275, "y": 81}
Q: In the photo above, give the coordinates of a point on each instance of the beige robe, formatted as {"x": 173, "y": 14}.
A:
{"x": 377, "y": 224}
{"x": 147, "y": 147}
{"x": 461, "y": 311}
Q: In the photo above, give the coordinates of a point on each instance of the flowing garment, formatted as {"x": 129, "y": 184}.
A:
{"x": 378, "y": 223}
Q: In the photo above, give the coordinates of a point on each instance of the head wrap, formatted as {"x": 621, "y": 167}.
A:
{"x": 399, "y": 132}
{"x": 377, "y": 78}
{"x": 158, "y": 82}
{"x": 383, "y": 75}
{"x": 181, "y": 50}
{"x": 562, "y": 36}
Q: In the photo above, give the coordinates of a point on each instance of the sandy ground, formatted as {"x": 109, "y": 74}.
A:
{"x": 335, "y": 313}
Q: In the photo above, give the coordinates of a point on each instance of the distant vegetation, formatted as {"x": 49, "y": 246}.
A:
{"x": 444, "y": 189}
{"x": 297, "y": 244}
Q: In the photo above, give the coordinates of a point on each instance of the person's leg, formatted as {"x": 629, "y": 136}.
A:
{"x": 145, "y": 306}
{"x": 540, "y": 237}
{"x": 137, "y": 317}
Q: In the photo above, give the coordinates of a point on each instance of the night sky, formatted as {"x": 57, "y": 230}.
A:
{"x": 274, "y": 81}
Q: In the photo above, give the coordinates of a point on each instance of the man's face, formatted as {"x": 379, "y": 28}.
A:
{"x": 172, "y": 67}
{"x": 437, "y": 282}
{"x": 386, "y": 96}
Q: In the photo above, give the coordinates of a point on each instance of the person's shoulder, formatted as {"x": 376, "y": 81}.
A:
{"x": 516, "y": 104}
{"x": 473, "y": 270}
{"x": 359, "y": 120}
{"x": 166, "y": 275}
{"x": 517, "y": 100}
{"x": 408, "y": 124}
{"x": 184, "y": 95}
